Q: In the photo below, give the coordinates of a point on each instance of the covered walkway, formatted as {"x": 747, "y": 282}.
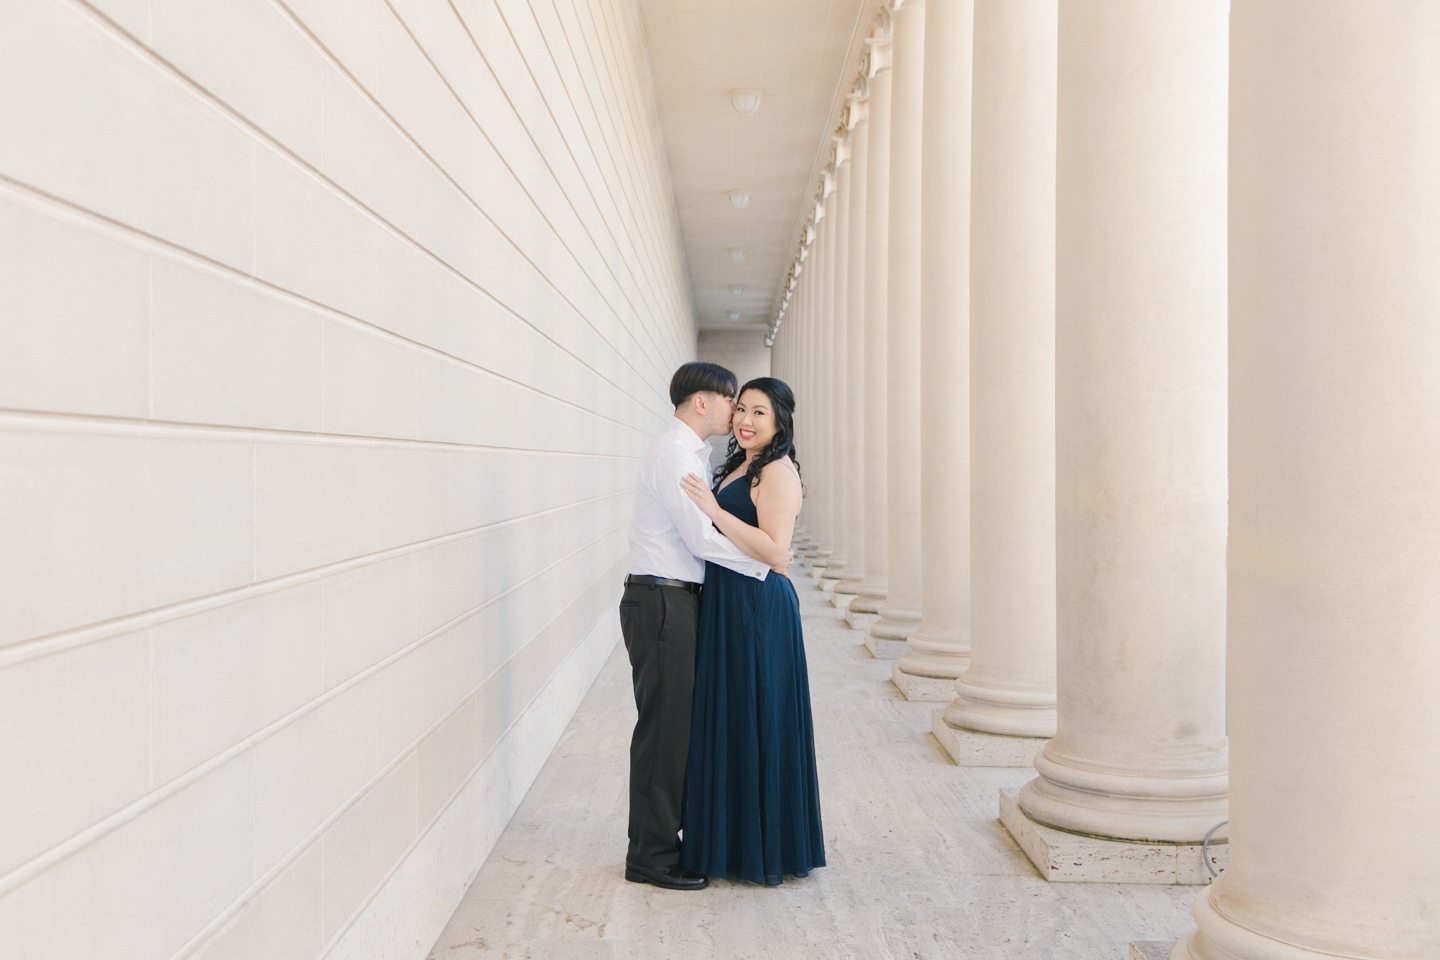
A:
{"x": 919, "y": 866}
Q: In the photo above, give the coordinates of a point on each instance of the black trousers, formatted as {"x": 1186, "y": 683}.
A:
{"x": 659, "y": 628}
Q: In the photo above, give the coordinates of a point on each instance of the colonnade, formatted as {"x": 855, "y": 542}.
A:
{"x": 1116, "y": 340}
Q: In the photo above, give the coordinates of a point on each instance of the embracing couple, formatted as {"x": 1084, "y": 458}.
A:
{"x": 723, "y": 748}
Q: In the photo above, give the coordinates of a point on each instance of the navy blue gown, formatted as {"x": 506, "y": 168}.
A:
{"x": 752, "y": 802}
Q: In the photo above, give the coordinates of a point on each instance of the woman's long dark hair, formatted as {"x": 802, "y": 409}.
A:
{"x": 782, "y": 405}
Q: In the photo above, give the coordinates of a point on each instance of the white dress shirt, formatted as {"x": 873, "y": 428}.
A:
{"x": 669, "y": 536}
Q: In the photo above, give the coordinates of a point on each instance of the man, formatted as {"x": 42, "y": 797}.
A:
{"x": 670, "y": 540}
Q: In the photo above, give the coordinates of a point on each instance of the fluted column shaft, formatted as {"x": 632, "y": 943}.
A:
{"x": 940, "y": 646}
{"x": 1140, "y": 748}
{"x": 1335, "y": 486}
{"x": 1009, "y": 688}
{"x": 836, "y": 339}
{"x": 877, "y": 264}
{"x": 814, "y": 524}
{"x": 854, "y": 464}
{"x": 801, "y": 386}
{"x": 824, "y": 394}
{"x": 900, "y": 613}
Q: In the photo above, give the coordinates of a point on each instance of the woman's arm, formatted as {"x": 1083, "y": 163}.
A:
{"x": 777, "y": 503}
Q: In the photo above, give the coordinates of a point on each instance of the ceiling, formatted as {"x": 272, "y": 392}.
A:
{"x": 802, "y": 55}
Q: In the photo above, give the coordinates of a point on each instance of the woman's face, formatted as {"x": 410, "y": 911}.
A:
{"x": 754, "y": 421}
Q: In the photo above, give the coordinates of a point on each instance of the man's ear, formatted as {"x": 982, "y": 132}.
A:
{"x": 697, "y": 403}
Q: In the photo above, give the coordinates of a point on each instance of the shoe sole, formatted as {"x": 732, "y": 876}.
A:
{"x": 634, "y": 876}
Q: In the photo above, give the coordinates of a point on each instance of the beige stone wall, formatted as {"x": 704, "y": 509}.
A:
{"x": 330, "y": 333}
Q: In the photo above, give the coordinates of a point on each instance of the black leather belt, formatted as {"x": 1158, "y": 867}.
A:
{"x": 643, "y": 580}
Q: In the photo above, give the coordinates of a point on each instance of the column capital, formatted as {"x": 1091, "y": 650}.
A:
{"x": 857, "y": 101}
{"x": 878, "y": 45}
{"x": 881, "y": 50}
{"x": 827, "y": 183}
{"x": 842, "y": 147}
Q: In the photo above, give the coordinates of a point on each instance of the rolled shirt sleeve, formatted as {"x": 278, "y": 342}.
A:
{"x": 699, "y": 534}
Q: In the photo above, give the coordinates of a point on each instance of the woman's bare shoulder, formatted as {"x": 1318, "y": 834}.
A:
{"x": 781, "y": 473}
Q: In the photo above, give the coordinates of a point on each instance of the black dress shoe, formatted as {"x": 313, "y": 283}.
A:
{"x": 671, "y": 878}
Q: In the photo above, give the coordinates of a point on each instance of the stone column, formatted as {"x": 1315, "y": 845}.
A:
{"x": 864, "y": 609}
{"x": 1335, "y": 487}
{"x": 805, "y": 523}
{"x": 1140, "y": 749}
{"x": 1005, "y": 701}
{"x": 900, "y": 612}
{"x": 854, "y": 464}
{"x": 939, "y": 649}
{"x": 820, "y": 398}
{"x": 836, "y": 350}
{"x": 804, "y": 415}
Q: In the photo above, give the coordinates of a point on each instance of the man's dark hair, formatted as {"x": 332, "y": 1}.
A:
{"x": 697, "y": 376}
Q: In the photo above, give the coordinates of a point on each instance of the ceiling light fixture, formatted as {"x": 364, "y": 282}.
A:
{"x": 734, "y": 314}
{"x": 739, "y": 199}
{"x": 746, "y": 101}
{"x": 737, "y": 253}
{"x": 737, "y": 289}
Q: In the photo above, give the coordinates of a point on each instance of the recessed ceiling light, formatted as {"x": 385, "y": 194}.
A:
{"x": 737, "y": 289}
{"x": 734, "y": 314}
{"x": 740, "y": 199}
{"x": 737, "y": 253}
{"x": 746, "y": 101}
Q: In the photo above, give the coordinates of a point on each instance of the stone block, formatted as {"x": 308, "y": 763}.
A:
{"x": 970, "y": 749}
{"x": 841, "y": 601}
{"x": 827, "y": 585}
{"x": 882, "y": 649}
{"x": 1063, "y": 857}
{"x": 860, "y": 621}
{"x": 1151, "y": 950}
{"x": 912, "y": 687}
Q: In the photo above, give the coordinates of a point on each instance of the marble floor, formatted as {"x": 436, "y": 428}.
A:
{"x": 919, "y": 866}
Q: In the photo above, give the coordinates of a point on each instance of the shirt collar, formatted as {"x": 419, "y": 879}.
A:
{"x": 682, "y": 430}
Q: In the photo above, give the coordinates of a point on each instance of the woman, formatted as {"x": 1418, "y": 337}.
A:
{"x": 752, "y": 804}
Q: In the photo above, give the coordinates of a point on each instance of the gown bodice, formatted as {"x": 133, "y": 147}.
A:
{"x": 735, "y": 499}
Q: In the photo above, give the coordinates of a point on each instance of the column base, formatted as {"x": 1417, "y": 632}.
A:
{"x": 1063, "y": 857}
{"x": 827, "y": 585}
{"x": 1152, "y": 950}
{"x": 859, "y": 621}
{"x": 1220, "y": 938}
{"x": 816, "y": 571}
{"x": 881, "y": 648}
{"x": 866, "y": 603}
{"x": 840, "y": 600}
{"x": 915, "y": 687}
{"x": 971, "y": 749}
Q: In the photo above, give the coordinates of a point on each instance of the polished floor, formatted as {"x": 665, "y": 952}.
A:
{"x": 919, "y": 866}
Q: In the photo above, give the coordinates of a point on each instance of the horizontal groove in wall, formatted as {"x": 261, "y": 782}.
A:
{"x": 223, "y": 109}
{"x": 499, "y": 741}
{"x": 651, "y": 284}
{"x": 204, "y": 935}
{"x": 69, "y": 639}
{"x": 518, "y": 180}
{"x": 62, "y": 209}
{"x": 38, "y": 865}
{"x": 59, "y": 421}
